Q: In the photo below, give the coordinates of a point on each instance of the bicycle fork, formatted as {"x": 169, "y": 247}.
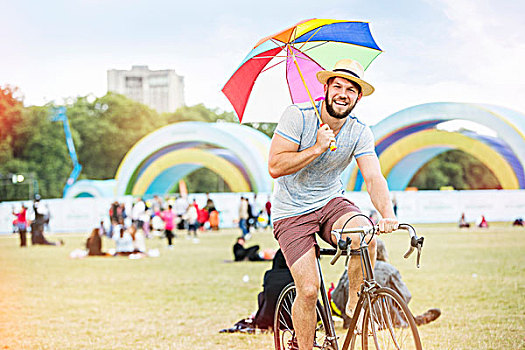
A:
{"x": 369, "y": 284}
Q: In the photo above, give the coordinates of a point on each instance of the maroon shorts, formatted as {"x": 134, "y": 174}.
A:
{"x": 296, "y": 235}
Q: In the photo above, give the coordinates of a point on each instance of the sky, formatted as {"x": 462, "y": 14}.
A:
{"x": 434, "y": 51}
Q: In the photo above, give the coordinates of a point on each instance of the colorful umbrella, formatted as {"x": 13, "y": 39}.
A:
{"x": 281, "y": 68}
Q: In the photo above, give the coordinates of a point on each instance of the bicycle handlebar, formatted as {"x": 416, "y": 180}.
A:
{"x": 415, "y": 241}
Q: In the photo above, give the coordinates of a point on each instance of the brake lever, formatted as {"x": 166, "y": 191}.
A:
{"x": 339, "y": 251}
{"x": 419, "y": 248}
{"x": 415, "y": 243}
{"x": 336, "y": 256}
{"x": 341, "y": 247}
{"x": 418, "y": 255}
{"x": 407, "y": 254}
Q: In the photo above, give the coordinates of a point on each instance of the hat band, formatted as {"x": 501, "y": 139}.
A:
{"x": 347, "y": 71}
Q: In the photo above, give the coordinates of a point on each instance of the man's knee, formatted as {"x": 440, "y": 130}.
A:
{"x": 308, "y": 292}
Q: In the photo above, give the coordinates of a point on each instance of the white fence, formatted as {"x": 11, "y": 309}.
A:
{"x": 447, "y": 206}
{"x": 82, "y": 214}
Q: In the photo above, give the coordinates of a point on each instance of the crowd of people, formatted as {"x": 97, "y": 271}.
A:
{"x": 156, "y": 217}
{"x": 131, "y": 226}
{"x": 160, "y": 217}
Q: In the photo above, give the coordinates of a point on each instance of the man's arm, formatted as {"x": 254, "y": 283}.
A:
{"x": 284, "y": 158}
{"x": 377, "y": 188}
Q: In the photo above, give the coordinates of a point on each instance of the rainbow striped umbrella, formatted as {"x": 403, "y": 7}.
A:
{"x": 281, "y": 68}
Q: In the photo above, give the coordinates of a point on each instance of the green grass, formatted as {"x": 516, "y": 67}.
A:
{"x": 181, "y": 299}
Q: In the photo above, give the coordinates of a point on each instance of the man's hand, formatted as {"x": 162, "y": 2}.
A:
{"x": 325, "y": 136}
{"x": 388, "y": 225}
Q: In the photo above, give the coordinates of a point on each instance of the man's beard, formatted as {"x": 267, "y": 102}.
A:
{"x": 333, "y": 113}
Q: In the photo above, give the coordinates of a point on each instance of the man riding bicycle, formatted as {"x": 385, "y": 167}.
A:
{"x": 308, "y": 196}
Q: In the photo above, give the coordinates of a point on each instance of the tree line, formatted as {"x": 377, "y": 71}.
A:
{"x": 104, "y": 129}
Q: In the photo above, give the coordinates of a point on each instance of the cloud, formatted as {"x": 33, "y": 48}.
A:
{"x": 488, "y": 38}
{"x": 475, "y": 54}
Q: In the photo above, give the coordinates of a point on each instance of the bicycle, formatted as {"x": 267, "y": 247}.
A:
{"x": 381, "y": 319}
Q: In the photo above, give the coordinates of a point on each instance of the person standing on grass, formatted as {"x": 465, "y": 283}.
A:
{"x": 192, "y": 218}
{"x": 181, "y": 206}
{"x": 21, "y": 224}
{"x": 168, "y": 216}
{"x": 243, "y": 216}
{"x": 137, "y": 213}
{"x": 308, "y": 196}
{"x": 268, "y": 208}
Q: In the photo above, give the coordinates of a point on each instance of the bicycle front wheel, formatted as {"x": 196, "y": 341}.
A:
{"x": 283, "y": 330}
{"x": 388, "y": 323}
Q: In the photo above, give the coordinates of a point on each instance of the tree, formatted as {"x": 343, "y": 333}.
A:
{"x": 203, "y": 180}
{"x": 457, "y": 169}
{"x": 14, "y": 129}
{"x": 46, "y": 152}
{"x": 11, "y": 118}
{"x": 265, "y": 128}
{"x": 103, "y": 131}
{"x": 107, "y": 129}
{"x": 199, "y": 113}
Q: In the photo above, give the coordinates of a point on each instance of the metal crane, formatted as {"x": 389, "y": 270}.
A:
{"x": 59, "y": 114}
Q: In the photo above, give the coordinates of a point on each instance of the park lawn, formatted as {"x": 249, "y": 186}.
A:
{"x": 182, "y": 299}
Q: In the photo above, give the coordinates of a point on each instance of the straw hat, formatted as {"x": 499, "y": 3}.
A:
{"x": 348, "y": 69}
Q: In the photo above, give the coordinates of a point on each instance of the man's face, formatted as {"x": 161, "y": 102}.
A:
{"x": 341, "y": 96}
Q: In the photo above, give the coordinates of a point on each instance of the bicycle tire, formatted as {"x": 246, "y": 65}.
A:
{"x": 393, "y": 326}
{"x": 283, "y": 331}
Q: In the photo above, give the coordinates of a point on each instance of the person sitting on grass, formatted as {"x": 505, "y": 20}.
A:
{"x": 274, "y": 281}
{"x": 463, "y": 222}
{"x": 124, "y": 243}
{"x": 387, "y": 276}
{"x": 483, "y": 222}
{"x": 94, "y": 243}
{"x": 251, "y": 253}
{"x": 36, "y": 222}
{"x": 139, "y": 240}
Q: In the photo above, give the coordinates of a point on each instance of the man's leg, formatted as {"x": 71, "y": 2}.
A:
{"x": 253, "y": 253}
{"x": 306, "y": 278}
{"x": 355, "y": 275}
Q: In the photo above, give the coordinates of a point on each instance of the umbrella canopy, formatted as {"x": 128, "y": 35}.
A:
{"x": 269, "y": 79}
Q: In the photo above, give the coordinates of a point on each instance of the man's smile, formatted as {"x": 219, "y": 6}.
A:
{"x": 341, "y": 103}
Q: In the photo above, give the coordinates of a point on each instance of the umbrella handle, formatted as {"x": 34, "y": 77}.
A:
{"x": 333, "y": 147}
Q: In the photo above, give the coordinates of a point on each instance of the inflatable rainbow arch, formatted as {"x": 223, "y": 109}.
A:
{"x": 405, "y": 142}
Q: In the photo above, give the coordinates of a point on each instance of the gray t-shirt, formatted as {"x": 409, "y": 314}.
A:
{"x": 316, "y": 184}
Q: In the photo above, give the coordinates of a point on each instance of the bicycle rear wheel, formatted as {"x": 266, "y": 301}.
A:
{"x": 283, "y": 330}
{"x": 388, "y": 323}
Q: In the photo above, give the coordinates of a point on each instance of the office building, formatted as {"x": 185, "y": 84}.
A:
{"x": 162, "y": 90}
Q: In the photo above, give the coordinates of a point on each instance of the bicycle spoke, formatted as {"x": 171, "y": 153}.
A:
{"x": 286, "y": 313}
{"x": 388, "y": 326}
{"x": 284, "y": 334}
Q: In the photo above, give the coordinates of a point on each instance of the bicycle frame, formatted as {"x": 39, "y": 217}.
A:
{"x": 369, "y": 284}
